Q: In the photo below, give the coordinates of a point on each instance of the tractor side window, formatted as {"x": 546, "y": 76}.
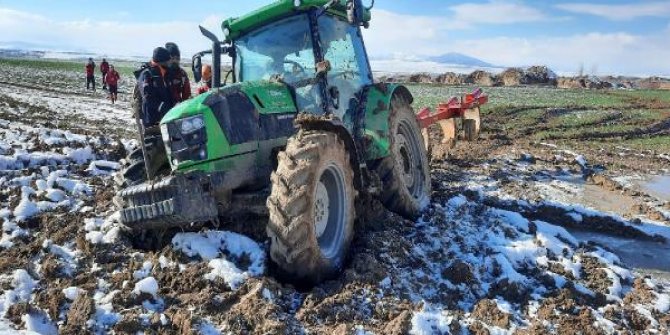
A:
{"x": 343, "y": 47}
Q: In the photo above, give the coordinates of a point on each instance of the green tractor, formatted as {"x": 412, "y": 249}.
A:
{"x": 302, "y": 126}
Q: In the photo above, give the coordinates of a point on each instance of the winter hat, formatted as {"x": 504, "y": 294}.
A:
{"x": 161, "y": 55}
{"x": 173, "y": 49}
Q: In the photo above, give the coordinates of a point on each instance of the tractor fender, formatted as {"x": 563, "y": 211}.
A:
{"x": 309, "y": 122}
{"x": 376, "y": 123}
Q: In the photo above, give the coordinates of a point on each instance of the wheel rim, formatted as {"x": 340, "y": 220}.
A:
{"x": 329, "y": 211}
{"x": 409, "y": 159}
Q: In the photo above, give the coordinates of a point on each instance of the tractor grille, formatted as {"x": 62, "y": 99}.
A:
{"x": 175, "y": 201}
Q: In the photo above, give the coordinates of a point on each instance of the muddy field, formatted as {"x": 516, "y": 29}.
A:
{"x": 554, "y": 222}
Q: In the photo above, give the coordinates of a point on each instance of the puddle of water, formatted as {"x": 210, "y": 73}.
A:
{"x": 605, "y": 200}
{"x": 645, "y": 257}
{"x": 657, "y": 186}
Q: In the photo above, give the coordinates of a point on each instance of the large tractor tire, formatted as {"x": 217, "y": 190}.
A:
{"x": 311, "y": 207}
{"x": 405, "y": 173}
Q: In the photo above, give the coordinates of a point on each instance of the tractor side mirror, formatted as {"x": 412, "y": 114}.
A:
{"x": 196, "y": 66}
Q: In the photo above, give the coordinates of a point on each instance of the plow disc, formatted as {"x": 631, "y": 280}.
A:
{"x": 466, "y": 109}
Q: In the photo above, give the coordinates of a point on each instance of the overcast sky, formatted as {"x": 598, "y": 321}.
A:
{"x": 607, "y": 37}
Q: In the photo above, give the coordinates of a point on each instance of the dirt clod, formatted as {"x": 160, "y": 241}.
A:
{"x": 80, "y": 312}
{"x": 488, "y": 311}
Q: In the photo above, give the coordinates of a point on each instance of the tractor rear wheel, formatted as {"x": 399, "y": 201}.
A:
{"x": 311, "y": 207}
{"x": 405, "y": 173}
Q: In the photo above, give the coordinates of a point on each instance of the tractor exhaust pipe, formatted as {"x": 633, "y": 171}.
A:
{"x": 216, "y": 56}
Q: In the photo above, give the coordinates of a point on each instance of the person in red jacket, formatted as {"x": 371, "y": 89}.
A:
{"x": 177, "y": 79}
{"x": 112, "y": 80}
{"x": 104, "y": 68}
{"x": 90, "y": 74}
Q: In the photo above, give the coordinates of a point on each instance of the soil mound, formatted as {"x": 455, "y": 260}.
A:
{"x": 655, "y": 83}
{"x": 481, "y": 78}
{"x": 534, "y": 75}
{"x": 421, "y": 78}
{"x": 450, "y": 78}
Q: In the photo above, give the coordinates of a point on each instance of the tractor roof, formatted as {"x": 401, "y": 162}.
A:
{"x": 277, "y": 10}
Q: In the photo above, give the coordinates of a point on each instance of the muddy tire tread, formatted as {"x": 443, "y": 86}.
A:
{"x": 395, "y": 195}
{"x": 294, "y": 247}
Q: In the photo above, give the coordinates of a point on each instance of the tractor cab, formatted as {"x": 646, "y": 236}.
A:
{"x": 314, "y": 46}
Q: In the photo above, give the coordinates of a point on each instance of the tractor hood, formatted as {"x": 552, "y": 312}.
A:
{"x": 225, "y": 122}
{"x": 266, "y": 96}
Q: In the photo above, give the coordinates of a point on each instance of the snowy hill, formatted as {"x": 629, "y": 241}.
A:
{"x": 455, "y": 58}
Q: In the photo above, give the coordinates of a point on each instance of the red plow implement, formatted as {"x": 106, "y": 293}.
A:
{"x": 465, "y": 108}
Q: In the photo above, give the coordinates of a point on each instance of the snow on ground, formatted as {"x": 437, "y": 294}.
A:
{"x": 484, "y": 258}
{"x": 66, "y": 108}
{"x": 222, "y": 250}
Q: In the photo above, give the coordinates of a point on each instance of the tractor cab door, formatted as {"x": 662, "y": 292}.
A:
{"x": 342, "y": 45}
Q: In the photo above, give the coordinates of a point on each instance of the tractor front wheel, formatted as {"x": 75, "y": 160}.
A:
{"x": 405, "y": 173}
{"x": 311, "y": 207}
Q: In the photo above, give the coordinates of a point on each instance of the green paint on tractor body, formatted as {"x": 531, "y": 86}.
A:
{"x": 274, "y": 98}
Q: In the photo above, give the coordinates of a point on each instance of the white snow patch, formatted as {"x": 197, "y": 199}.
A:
{"x": 147, "y": 285}
{"x": 647, "y": 314}
{"x": 268, "y": 295}
{"x": 576, "y": 217}
{"x": 513, "y": 218}
{"x": 164, "y": 262}
{"x": 80, "y": 156}
{"x": 74, "y": 187}
{"x": 230, "y": 273}
{"x": 212, "y": 244}
{"x": 39, "y": 324}
{"x": 23, "y": 285}
{"x": 143, "y": 272}
{"x": 25, "y": 210}
{"x": 457, "y": 201}
{"x": 102, "y": 168}
{"x": 55, "y": 195}
{"x": 95, "y": 237}
{"x": 71, "y": 293}
{"x": 430, "y": 322}
{"x": 206, "y": 328}
{"x": 662, "y": 304}
{"x": 360, "y": 330}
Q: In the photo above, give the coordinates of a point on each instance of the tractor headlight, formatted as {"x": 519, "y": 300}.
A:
{"x": 187, "y": 139}
{"x": 192, "y": 124}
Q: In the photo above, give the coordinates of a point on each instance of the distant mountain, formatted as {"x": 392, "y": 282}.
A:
{"x": 454, "y": 58}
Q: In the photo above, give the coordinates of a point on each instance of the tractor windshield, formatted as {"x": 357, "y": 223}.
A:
{"x": 281, "y": 50}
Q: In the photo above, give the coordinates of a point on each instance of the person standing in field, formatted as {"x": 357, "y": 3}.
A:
{"x": 90, "y": 74}
{"x": 112, "y": 80}
{"x": 104, "y": 68}
{"x": 177, "y": 79}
